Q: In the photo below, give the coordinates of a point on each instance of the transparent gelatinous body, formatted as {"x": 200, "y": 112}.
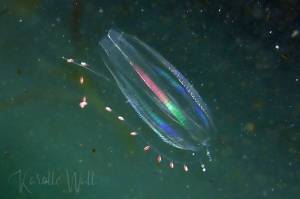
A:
{"x": 161, "y": 96}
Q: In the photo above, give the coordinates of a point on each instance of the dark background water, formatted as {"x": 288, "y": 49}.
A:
{"x": 243, "y": 58}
